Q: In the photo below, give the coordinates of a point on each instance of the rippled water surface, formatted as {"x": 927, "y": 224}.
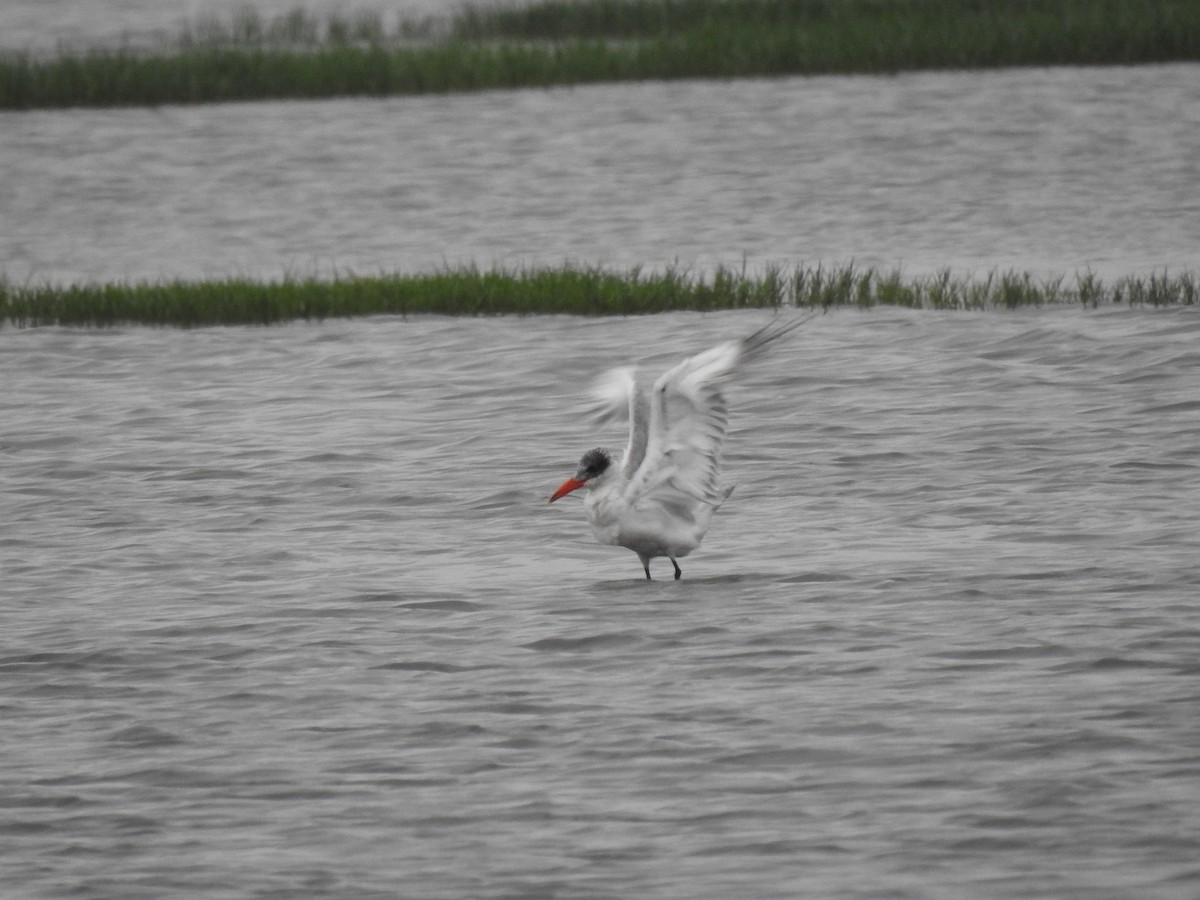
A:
{"x": 1047, "y": 171}
{"x": 286, "y": 614}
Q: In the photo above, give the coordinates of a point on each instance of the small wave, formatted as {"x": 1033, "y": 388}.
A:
{"x": 583, "y": 644}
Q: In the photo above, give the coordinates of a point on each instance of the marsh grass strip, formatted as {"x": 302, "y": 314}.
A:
{"x": 565, "y": 291}
{"x": 558, "y": 43}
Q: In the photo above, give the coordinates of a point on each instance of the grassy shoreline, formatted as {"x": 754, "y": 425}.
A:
{"x": 555, "y": 43}
{"x": 566, "y": 291}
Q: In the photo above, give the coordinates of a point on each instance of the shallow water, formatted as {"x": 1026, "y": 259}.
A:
{"x": 286, "y": 614}
{"x": 1046, "y": 171}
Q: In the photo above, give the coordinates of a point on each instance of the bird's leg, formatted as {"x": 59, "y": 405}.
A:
{"x": 645, "y": 565}
{"x": 678, "y": 571}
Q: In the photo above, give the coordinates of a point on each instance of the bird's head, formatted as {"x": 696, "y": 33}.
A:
{"x": 595, "y": 463}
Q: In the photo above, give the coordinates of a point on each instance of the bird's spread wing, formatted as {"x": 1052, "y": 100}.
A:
{"x": 617, "y": 395}
{"x": 687, "y": 422}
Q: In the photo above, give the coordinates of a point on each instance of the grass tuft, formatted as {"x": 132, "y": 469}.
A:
{"x": 570, "y": 291}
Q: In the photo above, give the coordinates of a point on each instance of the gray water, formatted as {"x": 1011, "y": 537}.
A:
{"x": 286, "y": 614}
{"x": 1047, "y": 171}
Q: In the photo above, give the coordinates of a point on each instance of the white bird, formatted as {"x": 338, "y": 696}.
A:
{"x": 659, "y": 498}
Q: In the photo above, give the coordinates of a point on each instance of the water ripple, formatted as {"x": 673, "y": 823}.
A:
{"x": 286, "y": 612}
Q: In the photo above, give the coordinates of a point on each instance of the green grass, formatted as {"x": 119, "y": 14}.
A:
{"x": 553, "y": 43}
{"x": 298, "y": 28}
{"x": 582, "y": 292}
{"x": 886, "y": 20}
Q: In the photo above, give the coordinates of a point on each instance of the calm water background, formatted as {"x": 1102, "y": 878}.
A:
{"x": 1048, "y": 171}
{"x": 286, "y": 614}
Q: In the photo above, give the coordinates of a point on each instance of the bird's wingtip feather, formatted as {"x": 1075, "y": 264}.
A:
{"x": 754, "y": 344}
{"x": 610, "y": 394}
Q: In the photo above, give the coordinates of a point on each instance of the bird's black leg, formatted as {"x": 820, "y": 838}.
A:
{"x": 645, "y": 565}
{"x": 678, "y": 571}
{"x": 647, "y": 568}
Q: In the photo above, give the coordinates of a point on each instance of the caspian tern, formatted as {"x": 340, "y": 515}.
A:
{"x": 659, "y": 498}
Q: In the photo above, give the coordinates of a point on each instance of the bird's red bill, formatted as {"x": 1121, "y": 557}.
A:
{"x": 571, "y": 484}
